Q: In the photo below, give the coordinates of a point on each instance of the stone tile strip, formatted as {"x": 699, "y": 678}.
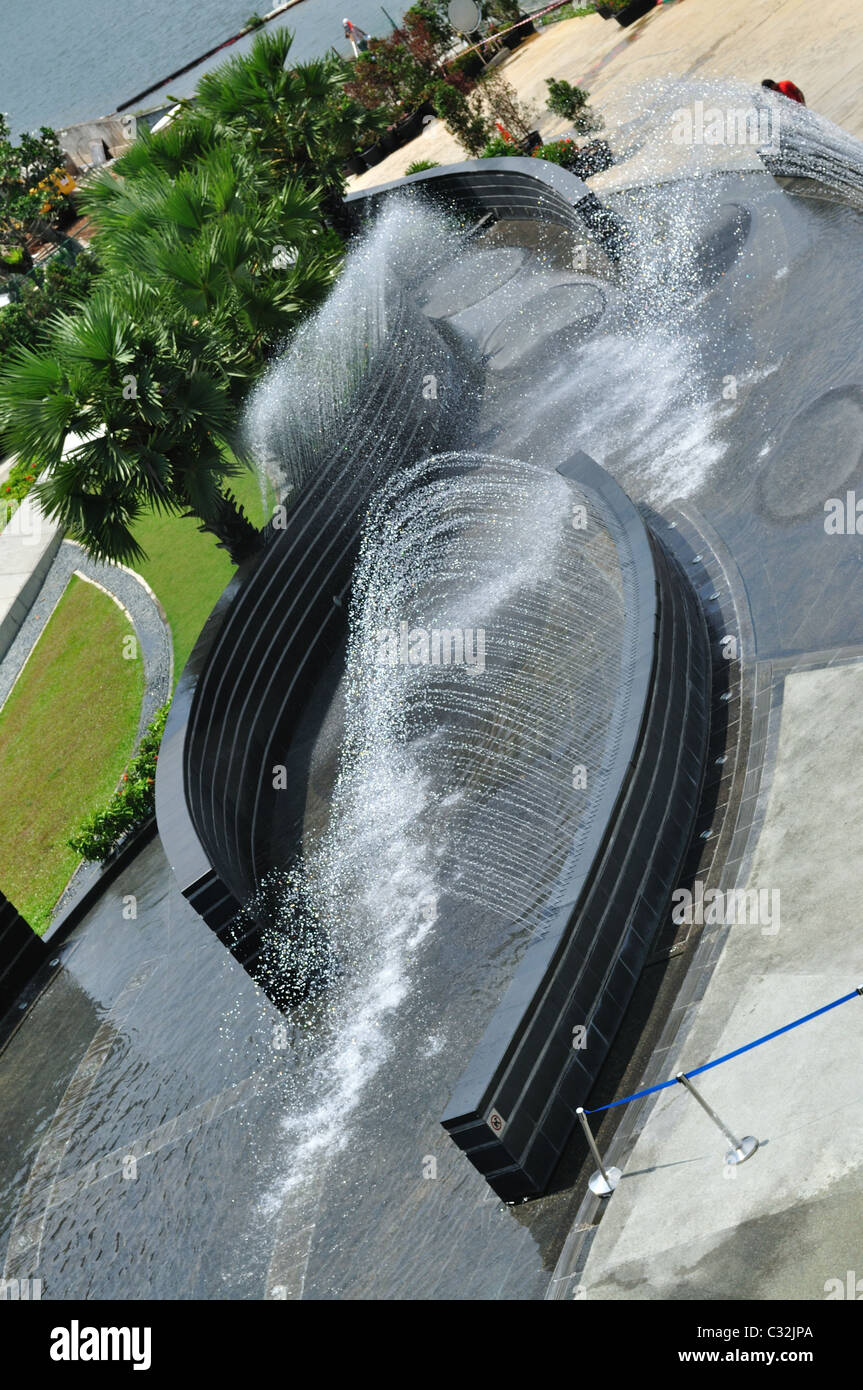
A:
{"x": 25, "y": 1237}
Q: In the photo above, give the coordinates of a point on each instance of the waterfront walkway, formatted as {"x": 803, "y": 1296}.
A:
{"x": 682, "y": 1224}
{"x": 819, "y": 46}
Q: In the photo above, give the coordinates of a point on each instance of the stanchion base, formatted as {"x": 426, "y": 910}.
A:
{"x": 600, "y": 1188}
{"x": 746, "y": 1150}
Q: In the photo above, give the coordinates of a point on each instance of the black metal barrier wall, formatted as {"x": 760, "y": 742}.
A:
{"x": 510, "y": 188}
{"x": 516, "y": 1103}
{"x": 22, "y": 953}
{"x": 222, "y": 820}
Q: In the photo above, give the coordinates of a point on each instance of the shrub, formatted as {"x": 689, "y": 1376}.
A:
{"x": 13, "y": 491}
{"x": 565, "y": 12}
{"x": 467, "y": 124}
{"x": 420, "y": 165}
{"x": 563, "y": 98}
{"x": 57, "y": 287}
{"x": 561, "y": 152}
{"x": 572, "y": 103}
{"x": 464, "y": 70}
{"x": 131, "y": 805}
{"x": 501, "y": 103}
{"x": 498, "y": 148}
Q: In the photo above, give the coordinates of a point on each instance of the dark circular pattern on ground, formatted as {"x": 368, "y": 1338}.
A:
{"x": 553, "y": 318}
{"x": 797, "y": 478}
{"x": 457, "y": 287}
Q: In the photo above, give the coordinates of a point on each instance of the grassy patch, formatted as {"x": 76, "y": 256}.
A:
{"x": 66, "y": 733}
{"x": 186, "y": 569}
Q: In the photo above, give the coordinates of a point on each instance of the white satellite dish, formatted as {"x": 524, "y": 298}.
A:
{"x": 464, "y": 15}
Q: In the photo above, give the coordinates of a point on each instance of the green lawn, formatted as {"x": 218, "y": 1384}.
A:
{"x": 66, "y": 733}
{"x": 186, "y": 569}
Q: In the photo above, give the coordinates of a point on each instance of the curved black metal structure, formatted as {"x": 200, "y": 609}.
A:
{"x": 22, "y": 953}
{"x": 227, "y": 819}
{"x": 514, "y": 1107}
{"x": 512, "y": 188}
{"x": 222, "y": 816}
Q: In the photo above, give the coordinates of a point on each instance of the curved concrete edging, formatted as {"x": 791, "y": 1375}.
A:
{"x": 132, "y": 594}
{"x": 29, "y": 543}
{"x": 137, "y": 601}
{"x": 720, "y": 861}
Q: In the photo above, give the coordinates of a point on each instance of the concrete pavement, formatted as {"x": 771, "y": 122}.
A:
{"x": 683, "y": 1225}
{"x": 819, "y": 46}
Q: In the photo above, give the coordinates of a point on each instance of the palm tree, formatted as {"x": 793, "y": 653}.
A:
{"x": 150, "y": 419}
{"x": 213, "y": 240}
{"x": 297, "y": 117}
{"x": 220, "y": 242}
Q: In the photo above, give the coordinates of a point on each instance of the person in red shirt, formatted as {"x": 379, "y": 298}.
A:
{"x": 788, "y": 89}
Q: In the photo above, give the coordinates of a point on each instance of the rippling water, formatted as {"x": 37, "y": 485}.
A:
{"x": 80, "y": 59}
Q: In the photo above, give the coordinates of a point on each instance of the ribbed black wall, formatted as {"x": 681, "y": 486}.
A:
{"x": 515, "y": 1105}
{"x": 224, "y": 823}
{"x": 22, "y": 952}
{"x": 522, "y": 189}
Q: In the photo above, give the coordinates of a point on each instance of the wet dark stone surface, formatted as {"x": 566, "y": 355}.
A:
{"x": 208, "y": 1210}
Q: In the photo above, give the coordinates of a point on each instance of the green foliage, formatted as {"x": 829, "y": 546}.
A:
{"x": 18, "y": 484}
{"x": 397, "y": 73}
{"x": 501, "y": 103}
{"x": 498, "y": 148}
{"x": 301, "y": 119}
{"x": 467, "y": 123}
{"x": 27, "y": 190}
{"x": 254, "y": 21}
{"x": 13, "y": 491}
{"x": 144, "y": 391}
{"x": 563, "y": 98}
{"x": 420, "y": 165}
{"x": 507, "y": 12}
{"x": 131, "y": 805}
{"x": 206, "y": 236}
{"x": 562, "y": 152}
{"x": 565, "y": 12}
{"x": 217, "y": 236}
{"x": 58, "y": 285}
{"x": 572, "y": 103}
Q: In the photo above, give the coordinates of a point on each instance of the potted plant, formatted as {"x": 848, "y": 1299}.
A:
{"x": 584, "y": 160}
{"x": 373, "y": 154}
{"x": 629, "y": 12}
{"x": 500, "y": 148}
{"x": 564, "y": 99}
{"x": 409, "y": 127}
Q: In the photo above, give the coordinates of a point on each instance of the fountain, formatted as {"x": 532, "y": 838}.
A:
{"x": 576, "y": 443}
{"x": 517, "y": 648}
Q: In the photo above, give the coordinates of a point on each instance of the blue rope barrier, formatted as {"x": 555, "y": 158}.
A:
{"x": 707, "y": 1066}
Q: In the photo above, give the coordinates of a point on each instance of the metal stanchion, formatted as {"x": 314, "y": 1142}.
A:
{"x": 741, "y": 1149}
{"x": 603, "y": 1183}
